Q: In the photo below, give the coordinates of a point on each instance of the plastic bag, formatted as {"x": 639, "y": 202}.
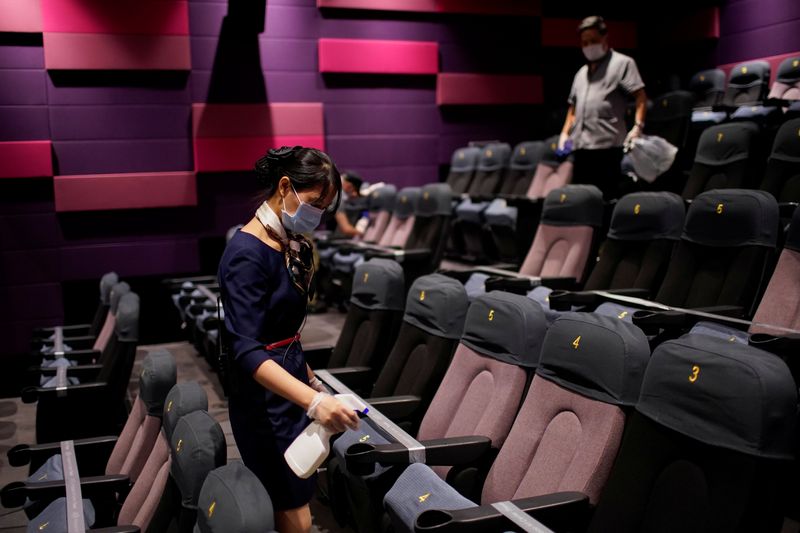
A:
{"x": 650, "y": 156}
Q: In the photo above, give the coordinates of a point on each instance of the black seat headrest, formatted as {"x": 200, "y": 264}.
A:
{"x": 573, "y": 205}
{"x": 379, "y": 284}
{"x": 733, "y": 217}
{"x": 437, "y": 304}
{"x": 643, "y": 216}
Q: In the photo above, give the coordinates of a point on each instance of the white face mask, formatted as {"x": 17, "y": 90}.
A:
{"x": 594, "y": 52}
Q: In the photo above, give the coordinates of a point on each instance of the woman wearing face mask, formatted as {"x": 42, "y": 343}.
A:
{"x": 595, "y": 120}
{"x": 265, "y": 277}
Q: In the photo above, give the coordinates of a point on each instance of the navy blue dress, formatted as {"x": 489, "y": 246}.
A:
{"x": 262, "y": 307}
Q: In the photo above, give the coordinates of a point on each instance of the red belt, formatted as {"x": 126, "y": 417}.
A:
{"x": 284, "y": 342}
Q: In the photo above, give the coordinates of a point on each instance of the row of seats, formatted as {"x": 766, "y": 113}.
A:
{"x": 587, "y": 371}
{"x": 165, "y": 472}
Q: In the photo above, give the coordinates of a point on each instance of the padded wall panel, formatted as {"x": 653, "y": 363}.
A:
{"x": 23, "y": 16}
{"x": 118, "y": 35}
{"x": 25, "y": 159}
{"x": 85, "y": 51}
{"x": 28, "y": 302}
{"x": 774, "y": 63}
{"x": 484, "y": 89}
{"x": 142, "y": 258}
{"x": 558, "y": 32}
{"x": 367, "y": 56}
{"x": 123, "y": 156}
{"x": 493, "y": 7}
{"x": 229, "y": 137}
{"x": 124, "y": 191}
{"x": 148, "y": 17}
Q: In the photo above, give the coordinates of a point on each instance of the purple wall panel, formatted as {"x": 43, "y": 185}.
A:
{"x": 17, "y": 335}
{"x": 30, "y": 231}
{"x": 29, "y": 302}
{"x": 23, "y": 123}
{"x": 21, "y": 57}
{"x": 750, "y": 29}
{"x": 276, "y": 54}
{"x": 350, "y": 119}
{"x": 205, "y": 18}
{"x": 21, "y": 267}
{"x": 22, "y": 87}
{"x": 104, "y": 95}
{"x": 119, "y": 122}
{"x": 100, "y": 157}
{"x": 141, "y": 258}
{"x": 356, "y": 151}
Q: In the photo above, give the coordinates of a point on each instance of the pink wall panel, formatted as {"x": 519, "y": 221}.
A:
{"x": 151, "y": 17}
{"x": 25, "y": 159}
{"x": 85, "y": 51}
{"x": 378, "y": 57}
{"x": 125, "y": 191}
{"x": 20, "y": 16}
{"x": 493, "y": 7}
{"x": 217, "y": 154}
{"x": 774, "y": 62}
{"x": 477, "y": 89}
{"x": 562, "y": 32}
{"x": 257, "y": 120}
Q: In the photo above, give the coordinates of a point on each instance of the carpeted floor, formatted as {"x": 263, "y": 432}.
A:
{"x": 17, "y": 420}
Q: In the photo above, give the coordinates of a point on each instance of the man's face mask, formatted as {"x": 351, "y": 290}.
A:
{"x": 306, "y": 218}
{"x": 594, "y": 52}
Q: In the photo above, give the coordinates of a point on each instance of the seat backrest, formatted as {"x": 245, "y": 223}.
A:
{"x": 669, "y": 117}
{"x": 483, "y": 386}
{"x": 727, "y": 242}
{"x": 782, "y": 177}
{"x": 107, "y": 330}
{"x": 696, "y": 457}
{"x": 436, "y": 307}
{"x": 551, "y": 173}
{"x": 644, "y": 229}
{"x": 462, "y": 168}
{"x": 568, "y": 430}
{"x": 721, "y": 160}
{"x": 787, "y": 80}
{"x": 492, "y": 164}
{"x": 139, "y": 434}
{"x": 108, "y": 281}
{"x": 708, "y": 87}
{"x": 377, "y": 301}
{"x": 521, "y": 168}
{"x": 780, "y": 305}
{"x": 432, "y": 220}
{"x": 563, "y": 240}
{"x": 234, "y": 499}
{"x": 399, "y": 227}
{"x": 381, "y": 204}
{"x": 747, "y": 83}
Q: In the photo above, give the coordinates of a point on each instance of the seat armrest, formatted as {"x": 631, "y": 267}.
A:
{"x": 396, "y": 408}
{"x": 15, "y": 494}
{"x": 362, "y": 457}
{"x": 35, "y": 454}
{"x": 84, "y": 373}
{"x": 561, "y": 511}
{"x": 33, "y": 394}
{"x": 566, "y": 300}
{"x": 651, "y": 320}
{"x": 776, "y": 102}
{"x": 81, "y": 356}
{"x": 401, "y": 256}
{"x": 318, "y": 357}
{"x": 786, "y": 209}
{"x": 560, "y": 283}
{"x": 116, "y": 529}
{"x": 72, "y": 329}
{"x": 355, "y": 377}
{"x": 514, "y": 285}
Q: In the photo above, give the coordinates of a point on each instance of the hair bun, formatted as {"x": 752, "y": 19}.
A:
{"x": 284, "y": 152}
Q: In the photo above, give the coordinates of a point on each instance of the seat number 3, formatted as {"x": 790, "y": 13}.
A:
{"x": 694, "y": 374}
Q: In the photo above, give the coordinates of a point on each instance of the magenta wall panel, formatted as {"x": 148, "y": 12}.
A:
{"x": 493, "y": 7}
{"x": 365, "y": 56}
{"x": 149, "y": 17}
{"x": 257, "y": 120}
{"x": 124, "y": 191}
{"x": 85, "y": 51}
{"x": 240, "y": 153}
{"x": 25, "y": 159}
{"x": 233, "y": 136}
{"x": 560, "y": 32}
{"x": 477, "y": 89}
{"x": 774, "y": 62}
{"x": 20, "y": 16}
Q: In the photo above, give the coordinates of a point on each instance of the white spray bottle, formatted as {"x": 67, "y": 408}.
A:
{"x": 313, "y": 445}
